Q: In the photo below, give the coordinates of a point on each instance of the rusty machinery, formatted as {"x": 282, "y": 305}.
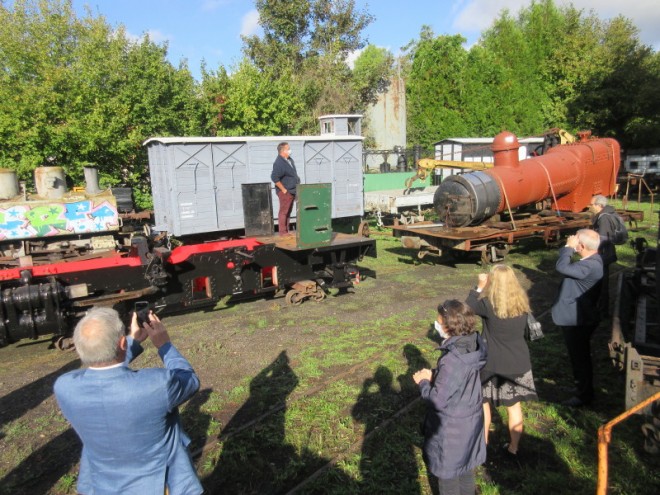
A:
{"x": 568, "y": 175}
{"x": 488, "y": 210}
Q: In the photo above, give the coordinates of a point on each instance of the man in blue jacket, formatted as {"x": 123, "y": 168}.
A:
{"x": 128, "y": 420}
{"x": 575, "y": 310}
{"x": 285, "y": 177}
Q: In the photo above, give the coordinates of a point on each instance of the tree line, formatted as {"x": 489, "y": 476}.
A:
{"x": 76, "y": 90}
{"x": 548, "y": 66}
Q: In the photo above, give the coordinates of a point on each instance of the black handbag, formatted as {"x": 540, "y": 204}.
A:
{"x": 533, "y": 329}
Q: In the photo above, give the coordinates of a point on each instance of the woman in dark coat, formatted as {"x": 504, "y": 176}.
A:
{"x": 507, "y": 377}
{"x": 454, "y": 443}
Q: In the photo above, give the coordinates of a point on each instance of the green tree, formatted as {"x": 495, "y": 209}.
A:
{"x": 371, "y": 73}
{"x": 77, "y": 90}
{"x": 309, "y": 41}
{"x": 297, "y": 30}
{"x": 518, "y": 91}
{"x": 257, "y": 103}
{"x": 606, "y": 102}
{"x": 548, "y": 66}
{"x": 434, "y": 90}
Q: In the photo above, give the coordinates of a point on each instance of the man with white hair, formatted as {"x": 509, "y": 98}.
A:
{"x": 128, "y": 420}
{"x": 575, "y": 312}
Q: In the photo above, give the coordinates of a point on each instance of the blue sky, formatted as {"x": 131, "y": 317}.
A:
{"x": 211, "y": 29}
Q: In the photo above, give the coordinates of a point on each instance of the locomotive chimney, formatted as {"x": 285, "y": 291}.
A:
{"x": 505, "y": 150}
{"x": 50, "y": 182}
{"x": 91, "y": 180}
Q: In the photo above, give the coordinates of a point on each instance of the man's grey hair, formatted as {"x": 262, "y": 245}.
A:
{"x": 281, "y": 146}
{"x": 589, "y": 239}
{"x": 97, "y": 336}
{"x": 600, "y": 200}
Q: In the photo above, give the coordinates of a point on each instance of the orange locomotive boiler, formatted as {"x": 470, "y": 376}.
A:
{"x": 567, "y": 175}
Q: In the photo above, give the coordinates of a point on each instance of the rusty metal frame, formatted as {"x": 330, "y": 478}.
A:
{"x": 479, "y": 238}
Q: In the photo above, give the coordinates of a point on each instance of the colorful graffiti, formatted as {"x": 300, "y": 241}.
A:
{"x": 24, "y": 221}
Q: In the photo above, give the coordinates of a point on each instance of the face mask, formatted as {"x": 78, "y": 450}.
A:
{"x": 440, "y": 330}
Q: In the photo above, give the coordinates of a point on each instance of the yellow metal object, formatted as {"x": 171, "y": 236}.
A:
{"x": 426, "y": 165}
{"x": 564, "y": 136}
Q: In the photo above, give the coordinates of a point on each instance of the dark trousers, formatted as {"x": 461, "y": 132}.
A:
{"x": 604, "y": 297}
{"x": 286, "y": 205}
{"x": 578, "y": 344}
{"x": 461, "y": 485}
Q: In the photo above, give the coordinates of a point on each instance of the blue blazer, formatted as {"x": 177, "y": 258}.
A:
{"x": 129, "y": 425}
{"x": 579, "y": 291}
{"x": 285, "y": 173}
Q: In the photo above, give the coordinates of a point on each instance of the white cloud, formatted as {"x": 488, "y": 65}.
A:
{"x": 352, "y": 57}
{"x": 132, "y": 37}
{"x": 154, "y": 35}
{"x": 473, "y": 16}
{"x": 250, "y": 23}
{"x": 210, "y": 5}
{"x": 157, "y": 37}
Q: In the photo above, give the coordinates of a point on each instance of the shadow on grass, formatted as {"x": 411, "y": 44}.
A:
{"x": 540, "y": 469}
{"x": 387, "y": 460}
{"x": 41, "y": 470}
{"x": 15, "y": 404}
{"x": 258, "y": 459}
{"x": 195, "y": 422}
{"x": 387, "y": 463}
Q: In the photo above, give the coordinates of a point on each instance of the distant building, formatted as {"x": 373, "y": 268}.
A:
{"x": 386, "y": 119}
{"x": 642, "y": 162}
{"x": 341, "y": 125}
{"x": 476, "y": 150}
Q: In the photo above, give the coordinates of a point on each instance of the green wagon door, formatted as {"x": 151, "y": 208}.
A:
{"x": 314, "y": 221}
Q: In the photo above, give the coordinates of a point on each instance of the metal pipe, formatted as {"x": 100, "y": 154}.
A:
{"x": 91, "y": 180}
{"x": 605, "y": 437}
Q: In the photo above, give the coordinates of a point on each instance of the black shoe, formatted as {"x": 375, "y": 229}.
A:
{"x": 576, "y": 402}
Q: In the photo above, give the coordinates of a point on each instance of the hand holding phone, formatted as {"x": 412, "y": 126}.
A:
{"x": 142, "y": 311}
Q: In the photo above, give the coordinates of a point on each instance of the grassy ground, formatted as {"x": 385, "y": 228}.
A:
{"x": 319, "y": 398}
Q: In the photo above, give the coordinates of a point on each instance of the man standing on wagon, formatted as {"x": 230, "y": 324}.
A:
{"x": 285, "y": 177}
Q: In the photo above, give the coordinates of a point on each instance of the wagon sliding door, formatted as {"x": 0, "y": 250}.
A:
{"x": 230, "y": 162}
{"x": 193, "y": 189}
{"x": 348, "y": 197}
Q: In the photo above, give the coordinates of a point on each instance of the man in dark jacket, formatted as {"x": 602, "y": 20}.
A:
{"x": 604, "y": 223}
{"x": 575, "y": 312}
{"x": 285, "y": 177}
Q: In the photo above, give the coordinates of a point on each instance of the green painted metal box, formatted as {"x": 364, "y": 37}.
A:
{"x": 314, "y": 226}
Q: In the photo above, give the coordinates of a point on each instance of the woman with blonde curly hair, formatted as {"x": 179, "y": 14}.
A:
{"x": 507, "y": 378}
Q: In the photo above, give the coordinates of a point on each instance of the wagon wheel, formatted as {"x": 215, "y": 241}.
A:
{"x": 318, "y": 295}
{"x": 502, "y": 250}
{"x": 363, "y": 229}
{"x": 64, "y": 344}
{"x": 294, "y": 298}
{"x": 494, "y": 253}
